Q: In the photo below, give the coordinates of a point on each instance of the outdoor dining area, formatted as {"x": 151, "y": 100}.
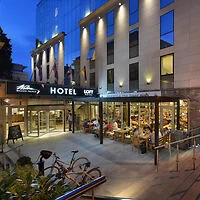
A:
{"x": 142, "y": 138}
{"x": 144, "y": 122}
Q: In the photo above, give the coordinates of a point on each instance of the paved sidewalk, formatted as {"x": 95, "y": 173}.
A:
{"x": 129, "y": 173}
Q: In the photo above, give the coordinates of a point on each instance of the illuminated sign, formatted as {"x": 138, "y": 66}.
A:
{"x": 47, "y": 89}
{"x": 27, "y": 89}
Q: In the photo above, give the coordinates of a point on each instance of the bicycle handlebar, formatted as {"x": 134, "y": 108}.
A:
{"x": 76, "y": 151}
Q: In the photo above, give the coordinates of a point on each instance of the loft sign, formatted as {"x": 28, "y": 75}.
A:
{"x": 88, "y": 92}
{"x": 62, "y": 91}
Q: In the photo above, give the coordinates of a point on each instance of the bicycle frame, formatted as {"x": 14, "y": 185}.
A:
{"x": 61, "y": 163}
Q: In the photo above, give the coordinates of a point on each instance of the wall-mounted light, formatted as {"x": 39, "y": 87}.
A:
{"x": 120, "y": 3}
{"x": 121, "y": 85}
{"x": 99, "y": 17}
{"x": 148, "y": 83}
{"x": 83, "y": 27}
{"x": 148, "y": 79}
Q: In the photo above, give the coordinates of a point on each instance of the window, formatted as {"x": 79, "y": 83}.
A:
{"x": 48, "y": 52}
{"x": 110, "y": 52}
{"x": 133, "y": 43}
{"x": 167, "y": 71}
{"x": 133, "y": 12}
{"x": 164, "y": 3}
{"x": 47, "y": 72}
{"x": 91, "y": 57}
{"x": 92, "y": 80}
{"x": 110, "y": 80}
{"x": 134, "y": 76}
{"x": 92, "y": 33}
{"x": 167, "y": 63}
{"x": 110, "y": 23}
{"x": 167, "y": 30}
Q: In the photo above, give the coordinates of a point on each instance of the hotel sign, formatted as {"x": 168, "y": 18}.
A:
{"x": 45, "y": 89}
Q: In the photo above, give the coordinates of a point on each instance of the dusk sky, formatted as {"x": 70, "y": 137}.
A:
{"x": 18, "y": 20}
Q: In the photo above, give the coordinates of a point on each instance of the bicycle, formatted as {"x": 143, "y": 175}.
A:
{"x": 74, "y": 165}
{"x": 70, "y": 176}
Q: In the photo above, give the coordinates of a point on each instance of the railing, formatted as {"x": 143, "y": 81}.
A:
{"x": 168, "y": 145}
{"x": 82, "y": 189}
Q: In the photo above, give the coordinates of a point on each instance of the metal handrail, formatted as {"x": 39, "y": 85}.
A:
{"x": 168, "y": 145}
{"x": 178, "y": 141}
{"x": 182, "y": 140}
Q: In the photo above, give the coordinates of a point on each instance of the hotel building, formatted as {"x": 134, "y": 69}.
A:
{"x": 142, "y": 56}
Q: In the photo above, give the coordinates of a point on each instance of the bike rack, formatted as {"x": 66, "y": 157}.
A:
{"x": 82, "y": 189}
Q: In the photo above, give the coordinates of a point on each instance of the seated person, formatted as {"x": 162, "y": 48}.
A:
{"x": 96, "y": 127}
{"x": 85, "y": 123}
{"x": 115, "y": 125}
{"x": 166, "y": 131}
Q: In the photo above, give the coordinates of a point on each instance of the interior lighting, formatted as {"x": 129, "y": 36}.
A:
{"x": 120, "y": 3}
{"x": 99, "y": 17}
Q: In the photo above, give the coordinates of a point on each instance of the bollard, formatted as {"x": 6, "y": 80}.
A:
{"x": 177, "y": 158}
{"x": 41, "y": 167}
{"x": 157, "y": 152}
{"x": 92, "y": 193}
{"x": 194, "y": 155}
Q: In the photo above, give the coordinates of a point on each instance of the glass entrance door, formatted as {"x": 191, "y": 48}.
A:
{"x": 56, "y": 120}
{"x": 43, "y": 121}
{"x": 167, "y": 118}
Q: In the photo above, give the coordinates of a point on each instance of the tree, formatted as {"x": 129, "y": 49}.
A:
{"x": 5, "y": 57}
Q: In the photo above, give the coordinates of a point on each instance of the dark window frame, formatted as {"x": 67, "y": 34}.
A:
{"x": 133, "y": 44}
{"x": 166, "y": 80}
{"x": 165, "y": 33}
{"x": 133, "y": 12}
{"x": 110, "y": 52}
{"x": 110, "y": 79}
{"x": 134, "y": 76}
{"x": 92, "y": 33}
{"x": 165, "y": 4}
{"x": 110, "y": 23}
{"x": 92, "y": 80}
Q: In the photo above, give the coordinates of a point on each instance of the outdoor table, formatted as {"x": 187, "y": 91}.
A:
{"x": 122, "y": 133}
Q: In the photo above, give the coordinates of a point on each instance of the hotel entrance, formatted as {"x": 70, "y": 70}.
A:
{"x": 50, "y": 119}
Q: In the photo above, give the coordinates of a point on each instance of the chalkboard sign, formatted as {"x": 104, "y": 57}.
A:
{"x": 14, "y": 133}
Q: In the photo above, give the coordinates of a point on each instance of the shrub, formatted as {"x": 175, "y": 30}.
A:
{"x": 24, "y": 160}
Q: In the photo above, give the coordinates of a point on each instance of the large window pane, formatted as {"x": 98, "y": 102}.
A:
{"x": 167, "y": 64}
{"x": 110, "y": 52}
{"x": 110, "y": 80}
{"x": 134, "y": 76}
{"x": 92, "y": 33}
{"x": 134, "y": 43}
{"x": 92, "y": 80}
{"x": 164, "y": 3}
{"x": 110, "y": 23}
{"x": 167, "y": 30}
{"x": 133, "y": 12}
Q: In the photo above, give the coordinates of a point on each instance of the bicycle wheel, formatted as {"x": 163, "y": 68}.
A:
{"x": 80, "y": 164}
{"x": 52, "y": 171}
{"x": 91, "y": 175}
